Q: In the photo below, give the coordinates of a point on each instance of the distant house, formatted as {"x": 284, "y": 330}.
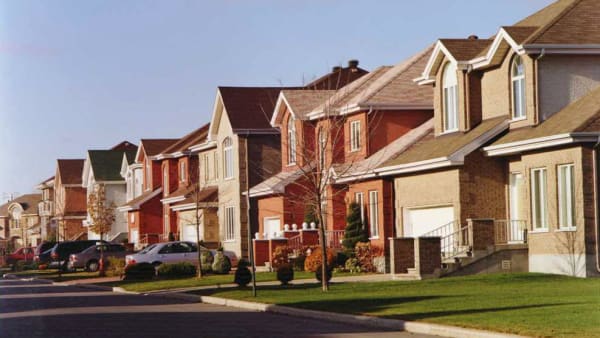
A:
{"x": 103, "y": 167}
{"x": 70, "y": 200}
{"x": 46, "y": 209}
{"x": 21, "y": 217}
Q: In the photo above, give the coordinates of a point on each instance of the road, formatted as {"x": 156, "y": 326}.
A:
{"x": 33, "y": 309}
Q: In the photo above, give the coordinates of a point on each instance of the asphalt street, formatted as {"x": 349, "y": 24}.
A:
{"x": 33, "y": 309}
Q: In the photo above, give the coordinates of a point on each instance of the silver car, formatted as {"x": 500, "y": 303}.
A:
{"x": 89, "y": 259}
{"x": 173, "y": 252}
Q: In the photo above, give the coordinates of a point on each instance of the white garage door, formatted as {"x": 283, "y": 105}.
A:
{"x": 420, "y": 221}
{"x": 189, "y": 233}
{"x": 272, "y": 227}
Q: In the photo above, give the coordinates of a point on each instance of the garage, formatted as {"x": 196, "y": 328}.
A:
{"x": 272, "y": 227}
{"x": 418, "y": 221}
{"x": 189, "y": 233}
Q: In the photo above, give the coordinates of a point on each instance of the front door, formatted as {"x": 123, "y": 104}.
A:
{"x": 515, "y": 208}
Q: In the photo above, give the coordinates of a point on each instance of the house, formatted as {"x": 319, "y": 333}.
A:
{"x": 70, "y": 200}
{"x": 143, "y": 209}
{"x": 339, "y": 137}
{"x": 47, "y": 228}
{"x": 22, "y": 220}
{"x": 505, "y": 178}
{"x": 102, "y": 170}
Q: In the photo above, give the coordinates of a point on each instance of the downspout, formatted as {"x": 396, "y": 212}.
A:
{"x": 536, "y": 89}
{"x": 596, "y": 211}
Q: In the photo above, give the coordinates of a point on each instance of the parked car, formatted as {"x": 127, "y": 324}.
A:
{"x": 62, "y": 251}
{"x": 44, "y": 246}
{"x": 46, "y": 258}
{"x": 89, "y": 259}
{"x": 21, "y": 254}
{"x": 173, "y": 252}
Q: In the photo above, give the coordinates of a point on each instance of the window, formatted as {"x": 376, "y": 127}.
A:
{"x": 291, "y": 132}
{"x": 148, "y": 175}
{"x": 539, "y": 208}
{"x": 322, "y": 145}
{"x": 354, "y": 135}
{"x": 216, "y": 165}
{"x": 229, "y": 224}
{"x": 518, "y": 88}
{"x": 360, "y": 200}
{"x": 450, "y": 97}
{"x": 227, "y": 158}
{"x": 182, "y": 173}
{"x": 205, "y": 167}
{"x": 166, "y": 178}
{"x": 374, "y": 213}
{"x": 566, "y": 199}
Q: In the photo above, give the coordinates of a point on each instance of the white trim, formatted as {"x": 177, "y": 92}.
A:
{"x": 215, "y": 115}
{"x": 139, "y": 203}
{"x": 487, "y": 59}
{"x": 190, "y": 206}
{"x": 562, "y": 48}
{"x": 203, "y": 146}
{"x": 170, "y": 200}
{"x": 367, "y": 106}
{"x": 540, "y": 142}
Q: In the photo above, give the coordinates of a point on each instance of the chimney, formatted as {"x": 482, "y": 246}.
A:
{"x": 336, "y": 69}
{"x": 353, "y": 64}
{"x": 473, "y": 37}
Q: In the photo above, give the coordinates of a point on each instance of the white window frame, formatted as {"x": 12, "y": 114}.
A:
{"x": 539, "y": 197}
{"x": 359, "y": 198}
{"x": 182, "y": 173}
{"x": 148, "y": 176}
{"x": 322, "y": 147}
{"x": 166, "y": 178}
{"x": 229, "y": 224}
{"x": 206, "y": 168}
{"x": 216, "y": 165}
{"x": 450, "y": 98}
{"x": 227, "y": 158}
{"x": 374, "y": 213}
{"x": 291, "y": 135}
{"x": 566, "y": 196}
{"x": 517, "y": 77}
{"x": 355, "y": 135}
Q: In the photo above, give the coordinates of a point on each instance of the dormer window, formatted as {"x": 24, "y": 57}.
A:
{"x": 291, "y": 131}
{"x": 450, "y": 97}
{"x": 518, "y": 88}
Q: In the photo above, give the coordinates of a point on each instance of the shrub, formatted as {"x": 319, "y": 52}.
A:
{"x": 365, "y": 254}
{"x": 285, "y": 274}
{"x": 328, "y": 275}
{"x": 243, "y": 276}
{"x": 281, "y": 256}
{"x": 221, "y": 264}
{"x": 22, "y": 265}
{"x": 341, "y": 258}
{"x": 352, "y": 265}
{"x": 206, "y": 261}
{"x": 298, "y": 262}
{"x": 379, "y": 264}
{"x": 115, "y": 266}
{"x": 177, "y": 270}
{"x": 313, "y": 262}
{"x": 139, "y": 271}
{"x": 355, "y": 231}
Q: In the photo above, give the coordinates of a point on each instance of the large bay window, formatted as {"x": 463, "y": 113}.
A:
{"x": 227, "y": 158}
{"x": 450, "y": 97}
{"x": 291, "y": 135}
{"x": 566, "y": 196}
{"x": 539, "y": 199}
{"x": 518, "y": 88}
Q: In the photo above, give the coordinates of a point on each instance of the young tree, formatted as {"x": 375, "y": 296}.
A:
{"x": 102, "y": 216}
{"x": 355, "y": 230}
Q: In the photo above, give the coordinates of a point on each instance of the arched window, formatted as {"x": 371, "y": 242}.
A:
{"x": 227, "y": 158}
{"x": 291, "y": 133}
{"x": 518, "y": 88}
{"x": 322, "y": 146}
{"x": 450, "y": 88}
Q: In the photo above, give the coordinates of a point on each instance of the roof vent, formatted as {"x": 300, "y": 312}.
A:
{"x": 353, "y": 64}
{"x": 473, "y": 37}
{"x": 336, "y": 69}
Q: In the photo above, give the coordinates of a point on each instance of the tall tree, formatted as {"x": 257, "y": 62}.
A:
{"x": 102, "y": 216}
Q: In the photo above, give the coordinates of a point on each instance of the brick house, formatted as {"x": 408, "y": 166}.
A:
{"x": 70, "y": 200}
{"x": 103, "y": 168}
{"x": 345, "y": 133}
{"x": 21, "y": 218}
{"x": 46, "y": 209}
{"x": 143, "y": 209}
{"x": 505, "y": 176}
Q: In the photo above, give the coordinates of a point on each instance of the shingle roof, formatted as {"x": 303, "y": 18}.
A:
{"x": 520, "y": 33}
{"x": 106, "y": 164}
{"x": 466, "y": 49}
{"x": 576, "y": 117}
{"x": 206, "y": 195}
{"x": 197, "y": 136}
{"x": 125, "y": 145}
{"x": 546, "y": 14}
{"x": 276, "y": 184}
{"x": 249, "y": 108}
{"x": 430, "y": 147}
{"x": 29, "y": 203}
{"x": 143, "y": 198}
{"x": 156, "y": 146}
{"x": 303, "y": 101}
{"x": 70, "y": 171}
{"x": 337, "y": 78}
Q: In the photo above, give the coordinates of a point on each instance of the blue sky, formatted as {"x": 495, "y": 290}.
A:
{"x": 78, "y": 75}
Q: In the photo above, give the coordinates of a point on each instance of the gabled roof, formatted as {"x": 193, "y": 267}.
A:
{"x": 137, "y": 202}
{"x": 338, "y": 77}
{"x": 45, "y": 184}
{"x": 276, "y": 184}
{"x": 29, "y": 203}
{"x": 446, "y": 150}
{"x": 70, "y": 171}
{"x": 249, "y": 108}
{"x": 183, "y": 144}
{"x": 299, "y": 101}
{"x": 206, "y": 197}
{"x": 465, "y": 49}
{"x": 580, "y": 119}
{"x": 154, "y": 147}
{"x": 106, "y": 164}
{"x": 123, "y": 146}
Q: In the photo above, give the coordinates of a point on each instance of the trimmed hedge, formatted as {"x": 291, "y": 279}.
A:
{"x": 221, "y": 265}
{"x": 177, "y": 270}
{"x": 139, "y": 271}
{"x": 285, "y": 274}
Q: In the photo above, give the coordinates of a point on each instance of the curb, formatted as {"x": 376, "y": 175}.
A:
{"x": 394, "y": 324}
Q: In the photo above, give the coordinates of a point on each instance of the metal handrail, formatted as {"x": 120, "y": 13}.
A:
{"x": 457, "y": 242}
{"x": 510, "y": 231}
{"x": 442, "y": 230}
{"x": 334, "y": 238}
{"x": 295, "y": 243}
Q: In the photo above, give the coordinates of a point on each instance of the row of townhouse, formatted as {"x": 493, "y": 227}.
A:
{"x": 473, "y": 155}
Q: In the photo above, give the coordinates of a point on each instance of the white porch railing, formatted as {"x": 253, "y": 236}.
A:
{"x": 334, "y": 238}
{"x": 510, "y": 231}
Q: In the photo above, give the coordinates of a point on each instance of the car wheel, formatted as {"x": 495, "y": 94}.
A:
{"x": 92, "y": 266}
{"x": 156, "y": 264}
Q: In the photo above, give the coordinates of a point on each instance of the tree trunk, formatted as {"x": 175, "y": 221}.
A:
{"x": 324, "y": 267}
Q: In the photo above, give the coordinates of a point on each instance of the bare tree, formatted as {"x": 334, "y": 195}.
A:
{"x": 102, "y": 216}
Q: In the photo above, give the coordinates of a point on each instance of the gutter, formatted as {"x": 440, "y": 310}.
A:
{"x": 595, "y": 151}
{"x": 540, "y": 142}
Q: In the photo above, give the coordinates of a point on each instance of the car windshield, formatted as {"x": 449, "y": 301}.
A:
{"x": 148, "y": 248}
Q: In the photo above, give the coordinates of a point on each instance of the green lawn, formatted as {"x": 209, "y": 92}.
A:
{"x": 527, "y": 304}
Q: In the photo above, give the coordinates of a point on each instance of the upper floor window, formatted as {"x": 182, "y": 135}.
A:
{"x": 354, "y": 135}
{"x": 216, "y": 165}
{"x": 182, "y": 172}
{"x": 227, "y": 158}
{"x": 148, "y": 173}
{"x": 450, "y": 97}
{"x": 205, "y": 167}
{"x": 291, "y": 131}
{"x": 518, "y": 88}
{"x": 166, "y": 178}
{"x": 322, "y": 144}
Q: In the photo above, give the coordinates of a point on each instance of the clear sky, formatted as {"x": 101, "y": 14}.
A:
{"x": 78, "y": 75}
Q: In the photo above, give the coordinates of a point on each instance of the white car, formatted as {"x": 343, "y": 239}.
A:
{"x": 173, "y": 252}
